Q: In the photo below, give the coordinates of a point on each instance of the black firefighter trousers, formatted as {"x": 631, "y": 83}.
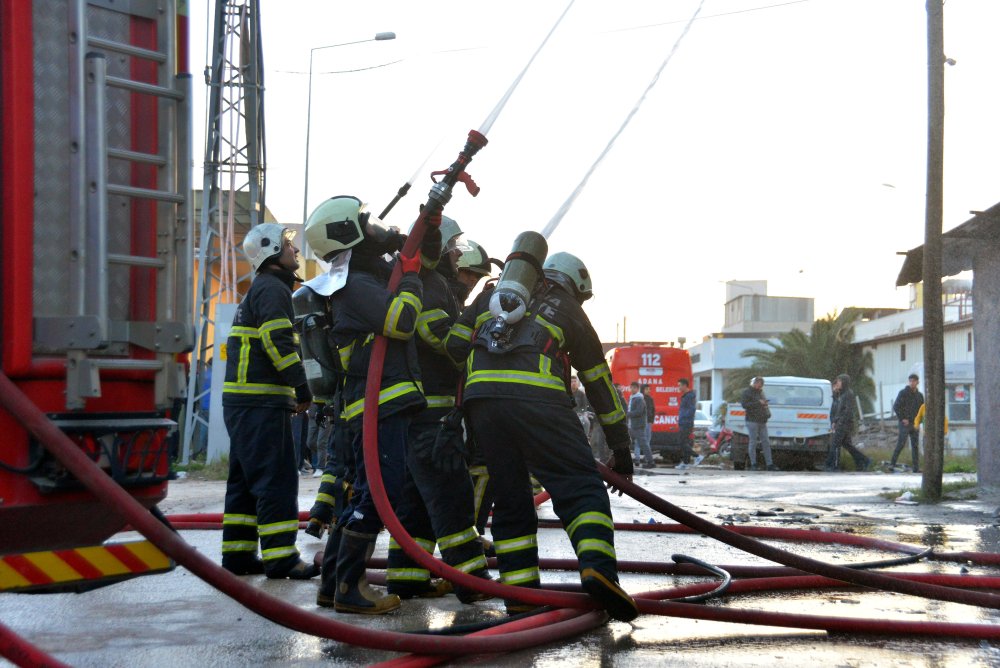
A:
{"x": 518, "y": 439}
{"x": 262, "y": 489}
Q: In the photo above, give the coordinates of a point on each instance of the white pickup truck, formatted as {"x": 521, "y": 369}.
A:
{"x": 799, "y": 428}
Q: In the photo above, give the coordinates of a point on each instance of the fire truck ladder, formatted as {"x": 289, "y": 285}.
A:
{"x": 122, "y": 180}
{"x": 232, "y": 201}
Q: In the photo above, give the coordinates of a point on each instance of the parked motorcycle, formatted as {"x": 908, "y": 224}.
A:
{"x": 720, "y": 442}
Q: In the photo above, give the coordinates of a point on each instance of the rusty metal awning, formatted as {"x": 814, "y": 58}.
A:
{"x": 958, "y": 246}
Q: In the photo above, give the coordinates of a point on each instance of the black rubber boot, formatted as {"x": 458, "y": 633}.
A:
{"x": 615, "y": 600}
{"x": 353, "y": 593}
{"x": 467, "y": 596}
{"x": 300, "y": 570}
{"x": 248, "y": 566}
{"x": 434, "y": 588}
{"x": 328, "y": 584}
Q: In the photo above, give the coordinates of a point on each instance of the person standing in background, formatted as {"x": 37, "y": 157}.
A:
{"x": 757, "y": 414}
{"x": 908, "y": 403}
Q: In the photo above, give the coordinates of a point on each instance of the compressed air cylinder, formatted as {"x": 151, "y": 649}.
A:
{"x": 318, "y": 358}
{"x": 519, "y": 277}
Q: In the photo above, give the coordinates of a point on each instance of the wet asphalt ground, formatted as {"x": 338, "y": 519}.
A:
{"x": 177, "y": 620}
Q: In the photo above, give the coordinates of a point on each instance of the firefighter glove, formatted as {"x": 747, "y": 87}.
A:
{"x": 621, "y": 463}
{"x": 433, "y": 220}
{"x": 410, "y": 264}
{"x": 449, "y": 445}
{"x": 422, "y": 444}
{"x": 430, "y": 247}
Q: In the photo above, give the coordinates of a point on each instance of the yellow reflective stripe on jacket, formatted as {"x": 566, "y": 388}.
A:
{"x": 258, "y": 388}
{"x": 602, "y": 374}
{"x": 241, "y": 331}
{"x": 440, "y": 401}
{"x": 279, "y": 362}
{"x": 395, "y": 312}
{"x": 592, "y": 374}
{"x": 555, "y": 330}
{"x": 590, "y": 518}
{"x": 483, "y": 317}
{"x": 542, "y": 378}
{"x": 460, "y": 332}
{"x": 345, "y": 355}
{"x": 424, "y": 322}
{"x": 356, "y": 408}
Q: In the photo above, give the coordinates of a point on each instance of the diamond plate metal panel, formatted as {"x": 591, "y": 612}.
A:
{"x": 52, "y": 149}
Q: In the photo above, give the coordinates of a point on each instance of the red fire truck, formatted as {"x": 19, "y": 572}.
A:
{"x": 95, "y": 272}
{"x": 660, "y": 367}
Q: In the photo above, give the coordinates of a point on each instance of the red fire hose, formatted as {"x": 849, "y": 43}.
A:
{"x": 279, "y": 611}
{"x": 271, "y": 607}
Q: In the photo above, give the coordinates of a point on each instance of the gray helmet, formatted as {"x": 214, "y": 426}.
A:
{"x": 563, "y": 268}
{"x": 336, "y": 225}
{"x": 475, "y": 259}
{"x": 264, "y": 241}
{"x": 450, "y": 231}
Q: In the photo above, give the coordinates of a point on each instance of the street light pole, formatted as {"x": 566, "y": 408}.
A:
{"x": 379, "y": 37}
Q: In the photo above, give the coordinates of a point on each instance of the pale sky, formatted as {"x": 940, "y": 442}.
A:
{"x": 785, "y": 141}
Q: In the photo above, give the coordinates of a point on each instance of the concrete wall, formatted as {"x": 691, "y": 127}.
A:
{"x": 986, "y": 298}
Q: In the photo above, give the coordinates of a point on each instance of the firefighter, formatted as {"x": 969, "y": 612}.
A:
{"x": 441, "y": 493}
{"x": 341, "y": 231}
{"x": 473, "y": 265}
{"x": 265, "y": 382}
{"x": 519, "y": 411}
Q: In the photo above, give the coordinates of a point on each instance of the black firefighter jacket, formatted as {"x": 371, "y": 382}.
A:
{"x": 263, "y": 367}
{"x": 540, "y": 374}
{"x": 363, "y": 308}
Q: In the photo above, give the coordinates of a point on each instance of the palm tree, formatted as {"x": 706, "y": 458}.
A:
{"x": 826, "y": 352}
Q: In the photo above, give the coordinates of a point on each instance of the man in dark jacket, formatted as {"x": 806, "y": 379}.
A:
{"x": 685, "y": 421}
{"x": 907, "y": 405}
{"x": 265, "y": 383}
{"x": 757, "y": 414}
{"x": 520, "y": 412}
{"x": 842, "y": 412}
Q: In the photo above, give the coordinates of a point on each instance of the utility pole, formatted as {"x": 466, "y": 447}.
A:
{"x": 933, "y": 223}
{"x": 232, "y": 202}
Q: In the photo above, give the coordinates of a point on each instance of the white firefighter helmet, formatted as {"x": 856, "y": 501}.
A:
{"x": 474, "y": 259}
{"x": 336, "y": 225}
{"x": 563, "y": 267}
{"x": 264, "y": 241}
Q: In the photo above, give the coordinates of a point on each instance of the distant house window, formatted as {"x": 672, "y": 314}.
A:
{"x": 902, "y": 352}
{"x": 968, "y": 344}
{"x": 695, "y": 358}
{"x": 959, "y": 402}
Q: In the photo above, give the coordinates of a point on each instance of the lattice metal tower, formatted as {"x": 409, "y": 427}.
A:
{"x": 233, "y": 194}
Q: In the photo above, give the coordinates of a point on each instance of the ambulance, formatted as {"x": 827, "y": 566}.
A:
{"x": 660, "y": 367}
